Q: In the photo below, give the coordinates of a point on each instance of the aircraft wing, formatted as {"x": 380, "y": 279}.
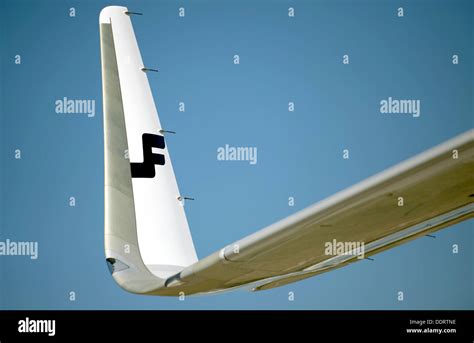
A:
{"x": 155, "y": 255}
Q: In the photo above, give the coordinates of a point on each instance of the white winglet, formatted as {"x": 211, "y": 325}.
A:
{"x": 164, "y": 240}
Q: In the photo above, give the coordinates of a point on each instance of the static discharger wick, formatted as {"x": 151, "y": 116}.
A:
{"x": 132, "y": 13}
{"x": 149, "y": 69}
{"x": 166, "y": 131}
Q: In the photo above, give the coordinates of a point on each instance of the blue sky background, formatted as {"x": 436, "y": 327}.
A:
{"x": 282, "y": 59}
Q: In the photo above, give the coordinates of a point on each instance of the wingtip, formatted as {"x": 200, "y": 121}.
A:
{"x": 110, "y": 11}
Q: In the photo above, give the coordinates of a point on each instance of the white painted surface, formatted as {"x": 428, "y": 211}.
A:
{"x": 163, "y": 233}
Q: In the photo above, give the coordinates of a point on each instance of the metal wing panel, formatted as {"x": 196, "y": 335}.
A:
{"x": 437, "y": 190}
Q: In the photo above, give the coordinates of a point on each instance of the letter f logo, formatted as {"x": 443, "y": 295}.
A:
{"x": 147, "y": 168}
